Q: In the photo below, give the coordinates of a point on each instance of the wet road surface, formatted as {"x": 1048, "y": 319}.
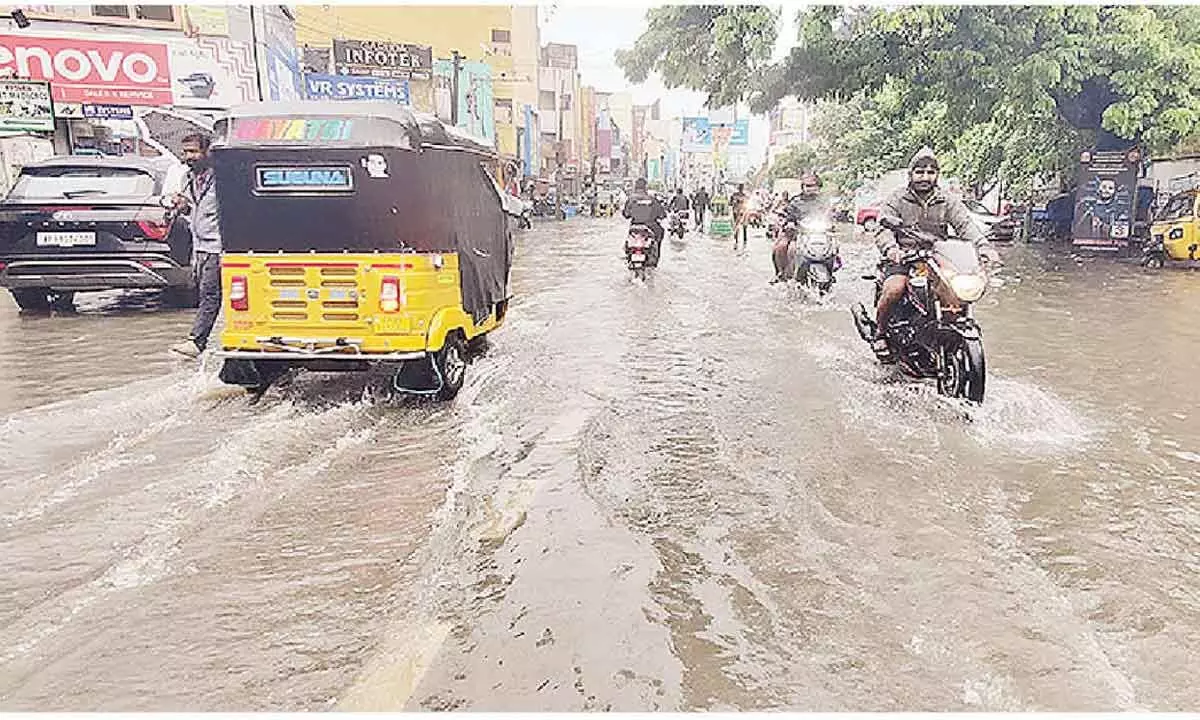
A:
{"x": 697, "y": 493}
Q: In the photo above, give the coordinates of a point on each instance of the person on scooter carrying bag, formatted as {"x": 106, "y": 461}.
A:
{"x": 803, "y": 205}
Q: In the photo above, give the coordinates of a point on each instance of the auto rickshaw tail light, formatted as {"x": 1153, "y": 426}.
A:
{"x": 239, "y": 297}
{"x": 390, "y": 296}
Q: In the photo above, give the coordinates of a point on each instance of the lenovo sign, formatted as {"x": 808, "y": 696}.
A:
{"x": 91, "y": 71}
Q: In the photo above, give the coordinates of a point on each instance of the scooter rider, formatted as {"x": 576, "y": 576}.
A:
{"x": 642, "y": 208}
{"x": 803, "y": 205}
{"x": 922, "y": 205}
{"x": 679, "y": 203}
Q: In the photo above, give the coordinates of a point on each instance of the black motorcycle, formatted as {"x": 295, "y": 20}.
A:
{"x": 931, "y": 332}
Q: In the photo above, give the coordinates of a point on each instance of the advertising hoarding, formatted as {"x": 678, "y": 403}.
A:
{"x": 25, "y": 106}
{"x": 1104, "y": 201}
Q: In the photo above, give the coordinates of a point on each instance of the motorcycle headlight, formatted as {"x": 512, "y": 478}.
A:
{"x": 968, "y": 288}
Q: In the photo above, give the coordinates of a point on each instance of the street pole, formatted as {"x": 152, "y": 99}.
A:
{"x": 457, "y": 61}
{"x": 258, "y": 66}
{"x": 559, "y": 154}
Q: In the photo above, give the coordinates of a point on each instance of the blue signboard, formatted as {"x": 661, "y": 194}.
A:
{"x": 307, "y": 179}
{"x": 476, "y": 105}
{"x": 354, "y": 87}
{"x": 741, "y": 133}
{"x": 697, "y": 134}
{"x": 108, "y": 112}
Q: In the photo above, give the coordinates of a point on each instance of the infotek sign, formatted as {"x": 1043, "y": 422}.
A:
{"x": 91, "y": 71}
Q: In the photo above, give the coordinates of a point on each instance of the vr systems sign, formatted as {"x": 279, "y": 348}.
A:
{"x": 382, "y": 59}
{"x": 349, "y": 87}
{"x": 91, "y": 71}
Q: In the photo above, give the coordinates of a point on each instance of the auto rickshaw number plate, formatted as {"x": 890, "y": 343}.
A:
{"x": 289, "y": 294}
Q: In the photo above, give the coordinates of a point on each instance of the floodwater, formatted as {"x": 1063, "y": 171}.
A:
{"x": 697, "y": 493}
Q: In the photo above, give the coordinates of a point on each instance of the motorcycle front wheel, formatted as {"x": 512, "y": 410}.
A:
{"x": 964, "y": 370}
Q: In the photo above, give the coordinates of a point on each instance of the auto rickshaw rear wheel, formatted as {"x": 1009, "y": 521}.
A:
{"x": 451, "y": 364}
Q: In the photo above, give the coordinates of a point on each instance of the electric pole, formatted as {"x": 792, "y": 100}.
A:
{"x": 457, "y": 61}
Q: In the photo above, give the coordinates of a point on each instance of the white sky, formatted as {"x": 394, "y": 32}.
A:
{"x": 600, "y": 31}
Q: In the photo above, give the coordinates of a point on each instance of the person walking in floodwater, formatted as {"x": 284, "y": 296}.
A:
{"x": 199, "y": 200}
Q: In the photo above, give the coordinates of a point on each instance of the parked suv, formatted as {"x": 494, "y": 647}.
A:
{"x": 79, "y": 224}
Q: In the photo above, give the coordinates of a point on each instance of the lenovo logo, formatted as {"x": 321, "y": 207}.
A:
{"x": 81, "y": 70}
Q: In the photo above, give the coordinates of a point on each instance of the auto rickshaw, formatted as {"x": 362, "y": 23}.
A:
{"x": 605, "y": 202}
{"x": 1175, "y": 233}
{"x": 357, "y": 235}
{"x": 721, "y": 222}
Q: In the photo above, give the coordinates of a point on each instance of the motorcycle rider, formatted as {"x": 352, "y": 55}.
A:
{"x": 805, "y": 204}
{"x": 642, "y": 208}
{"x": 679, "y": 204}
{"x": 922, "y": 205}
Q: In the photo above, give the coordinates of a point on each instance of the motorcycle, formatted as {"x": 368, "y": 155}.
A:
{"x": 639, "y": 247}
{"x": 932, "y": 332}
{"x": 816, "y": 255}
{"x": 677, "y": 224}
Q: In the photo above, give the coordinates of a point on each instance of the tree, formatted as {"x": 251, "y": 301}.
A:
{"x": 1005, "y": 89}
{"x": 793, "y": 163}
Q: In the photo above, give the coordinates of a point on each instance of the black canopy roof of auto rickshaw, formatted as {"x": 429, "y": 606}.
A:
{"x": 412, "y": 129}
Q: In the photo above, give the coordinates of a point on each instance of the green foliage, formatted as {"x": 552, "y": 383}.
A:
{"x": 794, "y": 162}
{"x": 1015, "y": 90}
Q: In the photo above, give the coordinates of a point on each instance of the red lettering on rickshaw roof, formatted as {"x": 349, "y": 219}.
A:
{"x": 291, "y": 129}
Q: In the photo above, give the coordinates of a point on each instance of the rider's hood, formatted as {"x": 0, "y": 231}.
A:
{"x": 924, "y": 156}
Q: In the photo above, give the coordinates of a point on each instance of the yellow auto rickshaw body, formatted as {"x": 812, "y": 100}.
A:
{"x": 1178, "y": 226}
{"x": 316, "y": 302}
{"x": 356, "y": 234}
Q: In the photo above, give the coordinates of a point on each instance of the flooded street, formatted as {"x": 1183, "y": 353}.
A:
{"x": 698, "y": 493}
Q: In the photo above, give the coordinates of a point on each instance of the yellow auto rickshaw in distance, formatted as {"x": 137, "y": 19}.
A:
{"x": 357, "y": 235}
{"x": 1175, "y": 233}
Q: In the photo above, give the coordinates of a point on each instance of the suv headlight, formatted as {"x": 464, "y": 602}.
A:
{"x": 968, "y": 288}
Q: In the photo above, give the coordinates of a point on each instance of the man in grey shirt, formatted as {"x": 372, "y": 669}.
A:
{"x": 199, "y": 200}
{"x": 921, "y": 204}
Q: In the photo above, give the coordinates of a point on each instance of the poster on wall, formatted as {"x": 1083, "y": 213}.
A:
{"x": 476, "y": 106}
{"x": 199, "y": 80}
{"x": 1104, "y": 202}
{"x": 697, "y": 134}
{"x": 282, "y": 59}
{"x": 25, "y": 106}
{"x": 208, "y": 19}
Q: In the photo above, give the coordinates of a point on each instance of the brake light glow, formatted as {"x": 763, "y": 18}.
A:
{"x": 152, "y": 230}
{"x": 390, "y": 296}
{"x": 239, "y": 297}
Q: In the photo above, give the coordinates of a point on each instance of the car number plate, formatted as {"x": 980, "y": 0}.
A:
{"x": 637, "y": 257}
{"x": 65, "y": 239}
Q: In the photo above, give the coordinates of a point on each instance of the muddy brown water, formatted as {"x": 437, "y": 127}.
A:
{"x": 697, "y": 493}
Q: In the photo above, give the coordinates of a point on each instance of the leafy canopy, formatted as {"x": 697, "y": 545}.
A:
{"x": 1010, "y": 89}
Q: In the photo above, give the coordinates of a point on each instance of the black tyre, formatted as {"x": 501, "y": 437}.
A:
{"x": 1154, "y": 262}
{"x": 964, "y": 370}
{"x": 451, "y": 364}
{"x": 32, "y": 299}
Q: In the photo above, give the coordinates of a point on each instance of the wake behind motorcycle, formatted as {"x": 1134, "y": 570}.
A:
{"x": 932, "y": 332}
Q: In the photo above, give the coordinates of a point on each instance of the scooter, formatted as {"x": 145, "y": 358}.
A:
{"x": 816, "y": 255}
{"x": 639, "y": 249}
{"x": 677, "y": 224}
